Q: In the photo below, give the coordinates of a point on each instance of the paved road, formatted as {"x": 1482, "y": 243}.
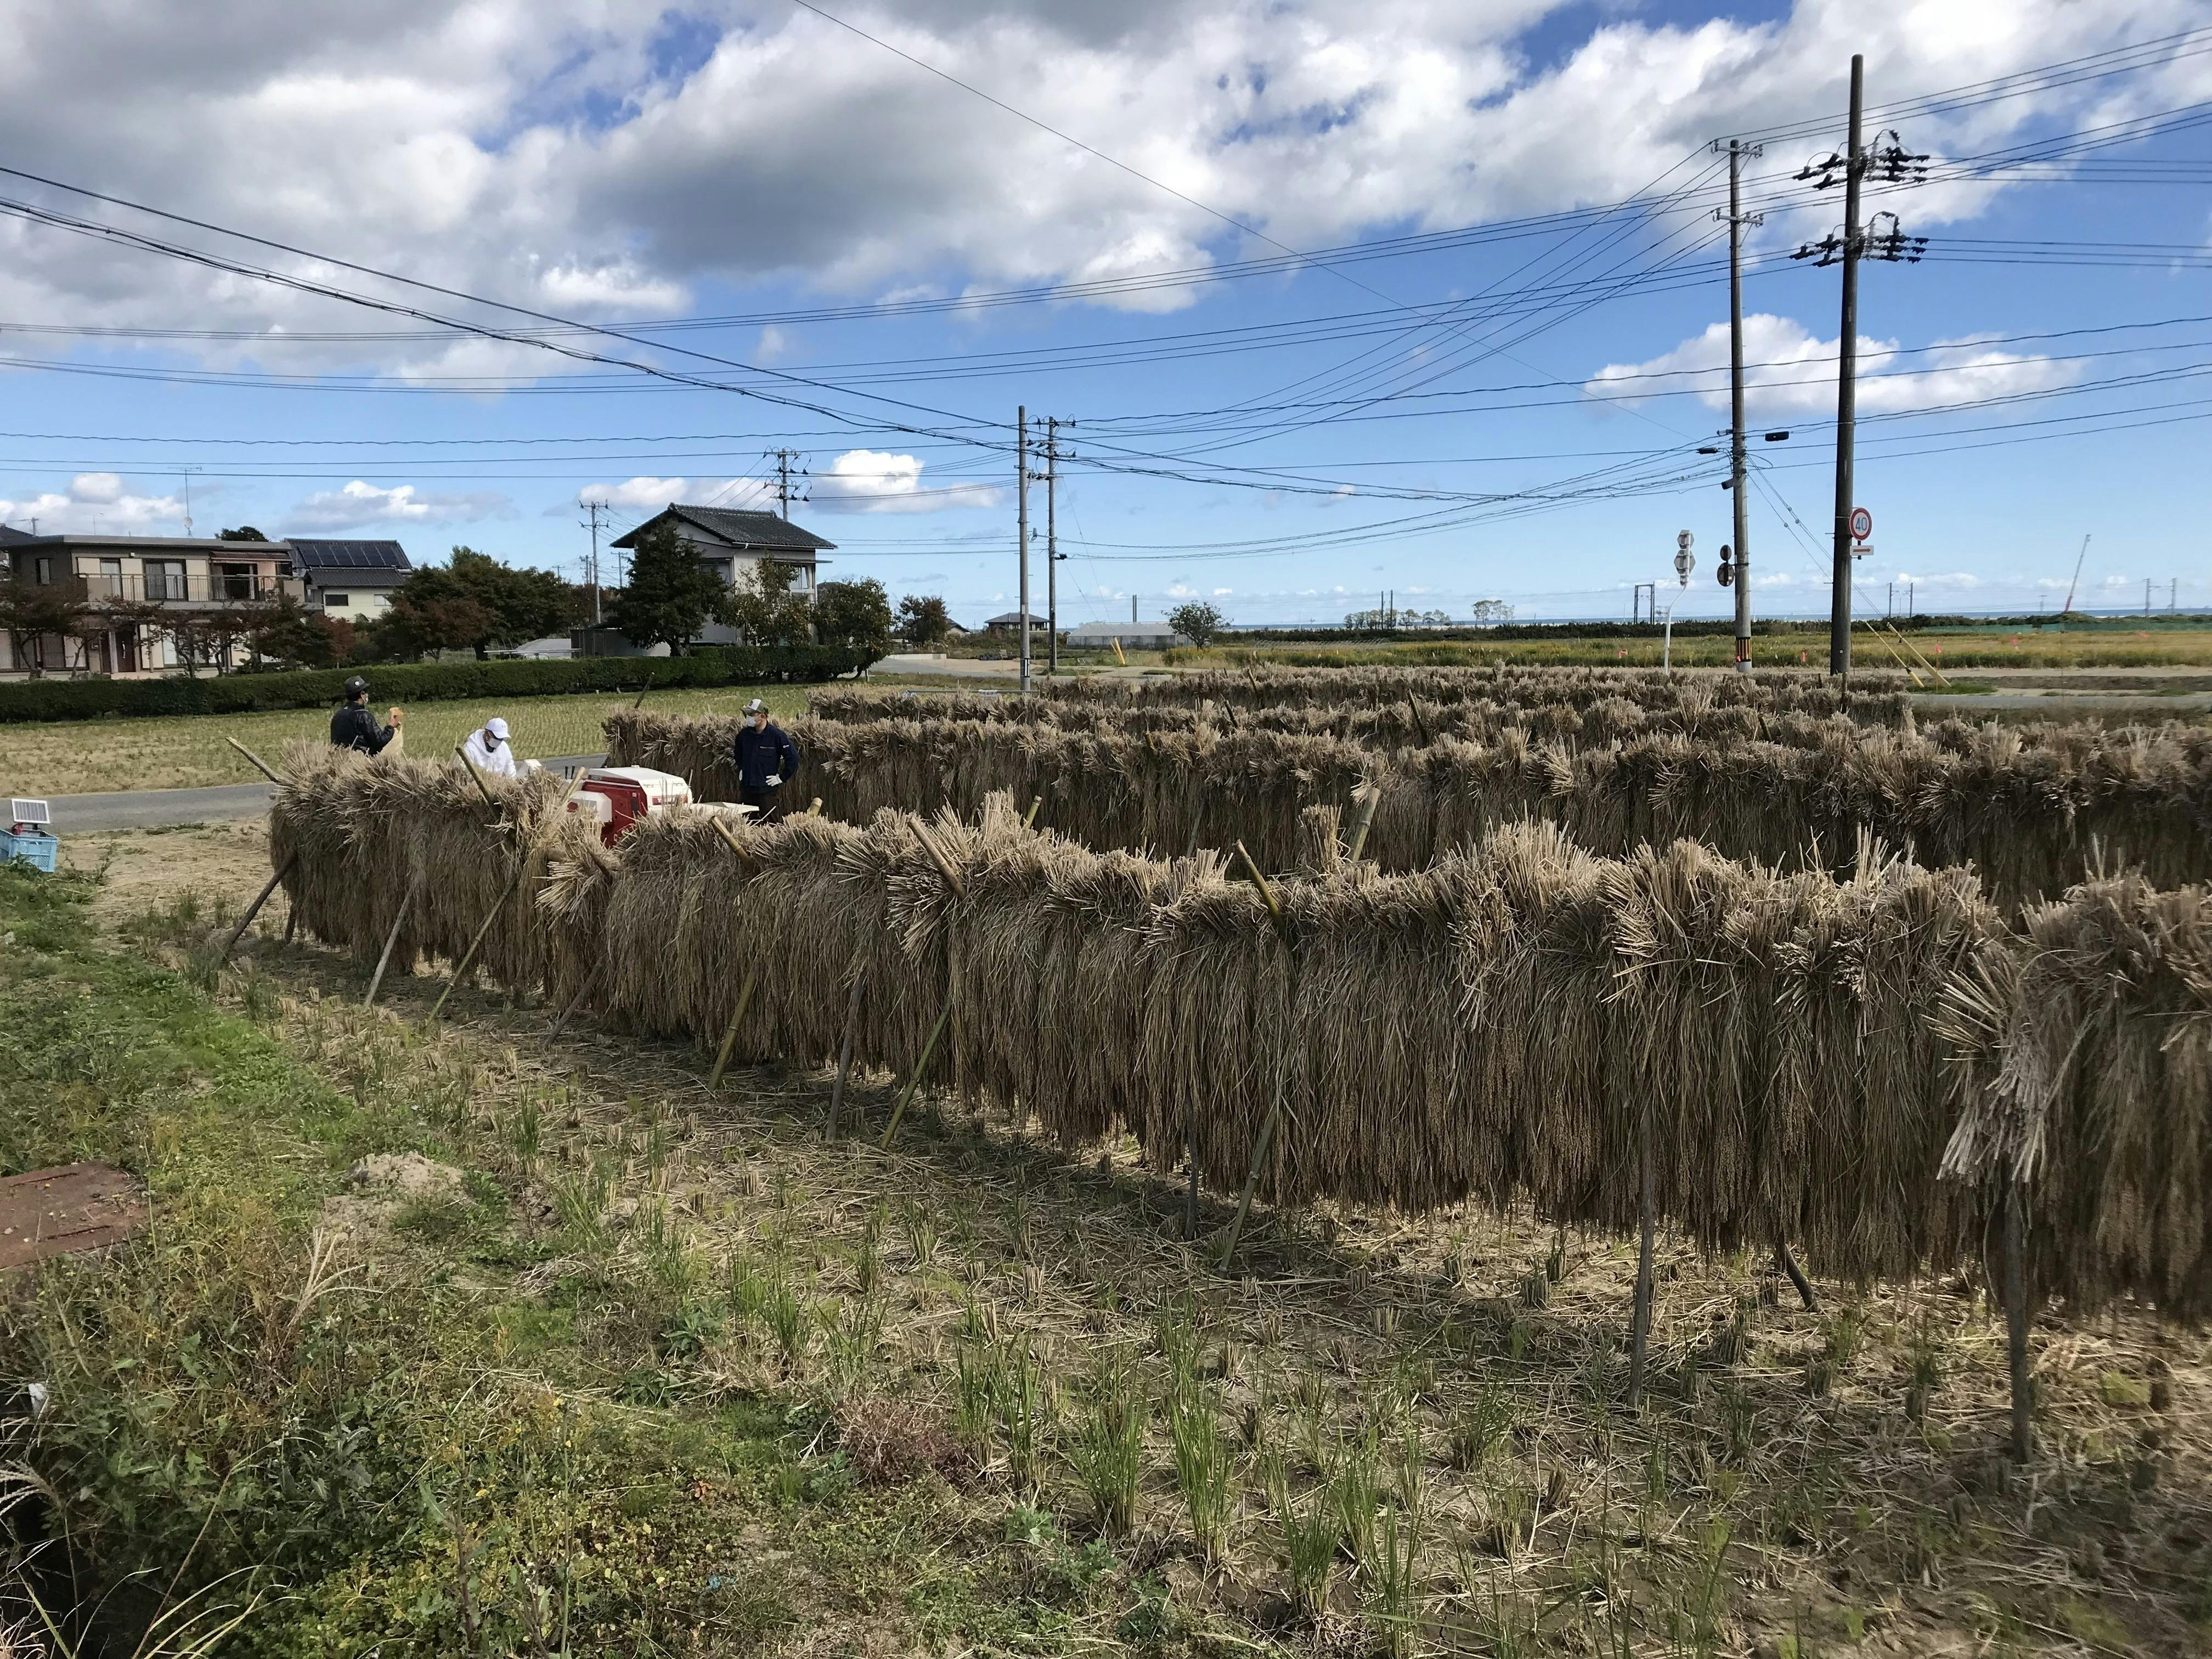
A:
{"x": 162, "y": 809}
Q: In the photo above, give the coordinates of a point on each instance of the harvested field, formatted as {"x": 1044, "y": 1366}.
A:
{"x": 667, "y": 1357}
{"x": 2033, "y": 813}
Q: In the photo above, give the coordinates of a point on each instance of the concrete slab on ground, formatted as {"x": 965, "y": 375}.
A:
{"x": 77, "y": 1206}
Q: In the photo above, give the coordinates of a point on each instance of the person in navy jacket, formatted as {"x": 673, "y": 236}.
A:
{"x": 767, "y": 758}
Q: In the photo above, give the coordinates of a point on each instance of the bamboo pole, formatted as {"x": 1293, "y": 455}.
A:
{"x": 1639, "y": 1334}
{"x": 1274, "y": 1112}
{"x": 1029, "y": 821}
{"x": 528, "y": 850}
{"x": 1190, "y": 1191}
{"x": 391, "y": 939}
{"x": 254, "y": 908}
{"x": 260, "y": 765}
{"x": 1364, "y": 801}
{"x": 2015, "y": 1301}
{"x": 920, "y": 1066}
{"x": 483, "y": 788}
{"x": 730, "y": 1035}
{"x": 590, "y": 981}
{"x": 291, "y": 922}
{"x": 845, "y": 1055}
{"x": 469, "y": 956}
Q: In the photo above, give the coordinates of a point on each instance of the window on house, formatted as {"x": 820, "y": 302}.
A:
{"x": 804, "y": 579}
{"x": 337, "y": 601}
{"x": 165, "y": 579}
{"x": 43, "y": 570}
{"x": 111, "y": 579}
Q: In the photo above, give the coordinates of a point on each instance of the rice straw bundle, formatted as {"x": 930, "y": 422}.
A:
{"x": 2085, "y": 1042}
{"x": 2033, "y": 816}
{"x": 368, "y": 830}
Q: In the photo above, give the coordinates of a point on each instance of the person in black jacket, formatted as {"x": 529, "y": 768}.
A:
{"x": 353, "y": 727}
{"x": 767, "y": 758}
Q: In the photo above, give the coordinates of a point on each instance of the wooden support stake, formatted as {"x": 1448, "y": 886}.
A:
{"x": 591, "y": 980}
{"x": 1420, "y": 727}
{"x": 483, "y": 788}
{"x": 1363, "y": 801}
{"x": 1639, "y": 1333}
{"x": 920, "y": 1067}
{"x": 254, "y": 908}
{"x": 845, "y": 1055}
{"x": 723, "y": 830}
{"x": 260, "y": 765}
{"x": 1787, "y": 1263}
{"x": 1267, "y": 896}
{"x": 2015, "y": 1301}
{"x": 291, "y": 921}
{"x": 1029, "y": 821}
{"x": 1252, "y": 1178}
{"x": 390, "y": 939}
{"x": 642, "y": 690}
{"x": 469, "y": 956}
{"x": 730, "y": 1037}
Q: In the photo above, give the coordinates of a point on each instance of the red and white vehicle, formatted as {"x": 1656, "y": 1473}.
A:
{"x": 619, "y": 798}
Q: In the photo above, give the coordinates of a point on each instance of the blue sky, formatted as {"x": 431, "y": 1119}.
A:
{"x": 1341, "y": 298}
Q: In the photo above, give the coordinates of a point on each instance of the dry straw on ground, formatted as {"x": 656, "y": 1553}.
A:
{"x": 2033, "y": 813}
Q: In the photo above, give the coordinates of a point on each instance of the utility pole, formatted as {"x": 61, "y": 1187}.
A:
{"x": 1052, "y": 554}
{"x": 1848, "y": 247}
{"x": 1022, "y": 524}
{"x": 1889, "y": 610}
{"x": 1738, "y": 153}
{"x": 1911, "y": 592}
{"x": 598, "y": 613}
{"x": 784, "y": 461}
{"x": 2146, "y": 596}
{"x": 2174, "y": 595}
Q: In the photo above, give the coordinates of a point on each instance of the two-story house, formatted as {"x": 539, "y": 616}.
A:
{"x": 120, "y": 585}
{"x": 731, "y": 542}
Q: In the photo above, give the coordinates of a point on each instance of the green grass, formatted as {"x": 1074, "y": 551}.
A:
{"x": 391, "y": 1447}
{"x": 188, "y": 750}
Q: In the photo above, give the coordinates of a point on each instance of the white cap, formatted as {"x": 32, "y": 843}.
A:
{"x": 498, "y": 727}
{"x": 757, "y": 706}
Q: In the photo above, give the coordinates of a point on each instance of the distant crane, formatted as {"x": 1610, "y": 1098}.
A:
{"x": 2076, "y": 582}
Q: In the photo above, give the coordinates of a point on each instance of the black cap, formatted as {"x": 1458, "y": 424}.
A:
{"x": 356, "y": 687}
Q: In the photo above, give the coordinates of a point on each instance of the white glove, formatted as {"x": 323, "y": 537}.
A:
{"x": 775, "y": 780}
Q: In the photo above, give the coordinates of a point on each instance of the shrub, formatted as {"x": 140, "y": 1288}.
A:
{"x": 406, "y": 683}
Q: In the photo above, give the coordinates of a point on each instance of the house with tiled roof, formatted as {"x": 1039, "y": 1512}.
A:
{"x": 733, "y": 543}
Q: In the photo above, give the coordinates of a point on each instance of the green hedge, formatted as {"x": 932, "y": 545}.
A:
{"x": 427, "y": 682}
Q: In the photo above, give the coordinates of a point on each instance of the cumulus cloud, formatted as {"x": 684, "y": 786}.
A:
{"x": 875, "y": 481}
{"x": 360, "y": 504}
{"x": 554, "y": 153}
{"x": 1790, "y": 371}
{"x": 96, "y": 504}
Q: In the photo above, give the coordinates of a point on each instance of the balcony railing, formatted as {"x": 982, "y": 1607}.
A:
{"x": 157, "y": 588}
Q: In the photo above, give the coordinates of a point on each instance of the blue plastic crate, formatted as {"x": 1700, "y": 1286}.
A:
{"x": 37, "y": 851}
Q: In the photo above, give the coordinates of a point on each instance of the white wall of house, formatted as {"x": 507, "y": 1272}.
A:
{"x": 345, "y": 602}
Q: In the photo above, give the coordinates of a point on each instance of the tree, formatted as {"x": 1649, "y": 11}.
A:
{"x": 287, "y": 632}
{"x": 855, "y": 615}
{"x": 670, "y": 594}
{"x": 923, "y": 620}
{"x": 763, "y": 609}
{"x": 523, "y": 605}
{"x": 245, "y": 532}
{"x": 31, "y": 611}
{"x": 1197, "y": 622}
{"x": 433, "y": 617}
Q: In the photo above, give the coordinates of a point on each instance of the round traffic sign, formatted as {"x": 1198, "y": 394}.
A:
{"x": 1862, "y": 524}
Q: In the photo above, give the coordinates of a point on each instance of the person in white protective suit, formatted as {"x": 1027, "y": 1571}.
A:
{"x": 489, "y": 751}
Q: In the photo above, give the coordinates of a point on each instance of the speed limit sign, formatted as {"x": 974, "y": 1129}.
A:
{"x": 1862, "y": 524}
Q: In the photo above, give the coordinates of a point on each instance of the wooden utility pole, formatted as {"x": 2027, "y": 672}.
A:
{"x": 1052, "y": 426}
{"x": 1847, "y": 351}
{"x": 1022, "y": 524}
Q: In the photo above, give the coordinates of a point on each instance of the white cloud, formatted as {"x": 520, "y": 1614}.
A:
{"x": 876, "y": 481}
{"x": 358, "y": 504}
{"x": 648, "y": 494}
{"x": 543, "y": 150}
{"x": 1790, "y": 371}
{"x": 97, "y": 503}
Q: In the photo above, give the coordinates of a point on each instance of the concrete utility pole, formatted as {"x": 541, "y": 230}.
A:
{"x": 1022, "y": 524}
{"x": 1847, "y": 247}
{"x": 1847, "y": 349}
{"x": 784, "y": 459}
{"x": 1738, "y": 153}
{"x": 595, "y": 509}
{"x": 1052, "y": 426}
